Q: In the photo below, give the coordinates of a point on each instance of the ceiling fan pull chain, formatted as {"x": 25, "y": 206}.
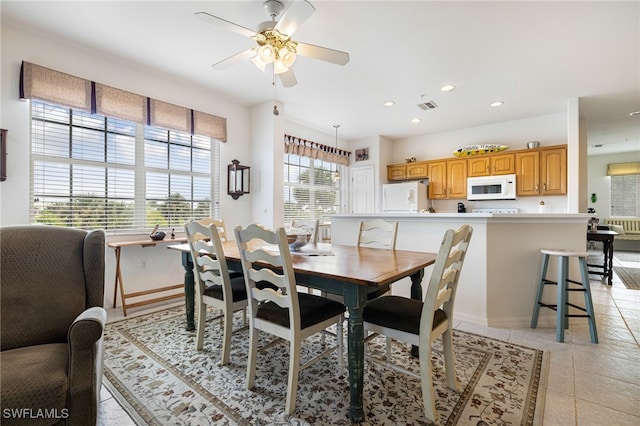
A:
{"x": 275, "y": 106}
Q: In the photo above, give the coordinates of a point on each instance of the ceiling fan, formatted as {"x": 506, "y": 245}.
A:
{"x": 274, "y": 40}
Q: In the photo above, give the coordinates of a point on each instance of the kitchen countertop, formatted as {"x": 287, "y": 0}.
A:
{"x": 475, "y": 216}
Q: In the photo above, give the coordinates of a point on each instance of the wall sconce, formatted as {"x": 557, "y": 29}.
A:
{"x": 238, "y": 179}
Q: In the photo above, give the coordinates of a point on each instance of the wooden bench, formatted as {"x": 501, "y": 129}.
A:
{"x": 631, "y": 227}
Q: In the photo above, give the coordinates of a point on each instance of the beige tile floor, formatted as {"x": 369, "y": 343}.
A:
{"x": 588, "y": 384}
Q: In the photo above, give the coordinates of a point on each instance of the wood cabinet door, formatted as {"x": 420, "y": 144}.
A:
{"x": 437, "y": 179}
{"x": 527, "y": 173}
{"x": 553, "y": 166}
{"x": 417, "y": 170}
{"x": 479, "y": 166}
{"x": 503, "y": 164}
{"x": 457, "y": 179}
{"x": 398, "y": 172}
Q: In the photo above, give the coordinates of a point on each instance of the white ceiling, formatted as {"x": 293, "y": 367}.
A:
{"x": 534, "y": 56}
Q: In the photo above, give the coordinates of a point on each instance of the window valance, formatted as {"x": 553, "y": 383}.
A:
{"x": 621, "y": 169}
{"x": 305, "y": 148}
{"x": 37, "y": 82}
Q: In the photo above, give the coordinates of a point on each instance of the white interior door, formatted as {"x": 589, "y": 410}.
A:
{"x": 362, "y": 190}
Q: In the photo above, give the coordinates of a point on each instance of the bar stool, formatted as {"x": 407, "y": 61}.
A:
{"x": 562, "y": 306}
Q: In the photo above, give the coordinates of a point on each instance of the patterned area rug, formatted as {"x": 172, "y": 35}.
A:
{"x": 154, "y": 371}
{"x": 629, "y": 276}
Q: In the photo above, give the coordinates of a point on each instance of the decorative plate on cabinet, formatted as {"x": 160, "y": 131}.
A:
{"x": 478, "y": 149}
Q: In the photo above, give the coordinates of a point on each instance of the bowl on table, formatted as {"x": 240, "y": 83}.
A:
{"x": 296, "y": 241}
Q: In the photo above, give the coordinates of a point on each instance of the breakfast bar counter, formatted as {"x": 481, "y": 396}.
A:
{"x": 498, "y": 282}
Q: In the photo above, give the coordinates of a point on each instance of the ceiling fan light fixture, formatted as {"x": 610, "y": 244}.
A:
{"x": 267, "y": 53}
{"x": 259, "y": 63}
{"x": 279, "y": 67}
{"x": 287, "y": 55}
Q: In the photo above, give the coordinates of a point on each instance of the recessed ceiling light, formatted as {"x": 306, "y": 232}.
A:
{"x": 389, "y": 104}
{"x": 415, "y": 120}
{"x": 496, "y": 103}
{"x": 447, "y": 87}
{"x": 634, "y": 113}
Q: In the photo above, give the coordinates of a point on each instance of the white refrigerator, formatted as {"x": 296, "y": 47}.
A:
{"x": 405, "y": 197}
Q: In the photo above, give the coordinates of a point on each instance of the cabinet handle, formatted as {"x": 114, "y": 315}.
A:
{"x": 544, "y": 186}
{"x": 537, "y": 187}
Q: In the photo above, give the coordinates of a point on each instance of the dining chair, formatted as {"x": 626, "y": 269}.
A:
{"x": 219, "y": 223}
{"x": 310, "y": 224}
{"x": 378, "y": 233}
{"x": 285, "y": 313}
{"x": 222, "y": 232}
{"x": 214, "y": 285}
{"x": 420, "y": 323}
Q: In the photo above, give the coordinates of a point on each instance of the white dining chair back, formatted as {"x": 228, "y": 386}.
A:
{"x": 220, "y": 226}
{"x": 378, "y": 233}
{"x": 420, "y": 323}
{"x": 311, "y": 225}
{"x": 284, "y": 313}
{"x": 213, "y": 284}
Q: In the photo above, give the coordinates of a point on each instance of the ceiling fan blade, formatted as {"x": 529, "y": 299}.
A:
{"x": 232, "y": 60}
{"x": 322, "y": 53}
{"x": 294, "y": 16}
{"x": 223, "y": 23}
{"x": 288, "y": 78}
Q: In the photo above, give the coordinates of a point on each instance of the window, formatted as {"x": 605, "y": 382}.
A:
{"x": 309, "y": 190}
{"x": 94, "y": 172}
{"x": 625, "y": 195}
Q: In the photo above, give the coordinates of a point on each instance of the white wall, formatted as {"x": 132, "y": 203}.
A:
{"x": 548, "y": 129}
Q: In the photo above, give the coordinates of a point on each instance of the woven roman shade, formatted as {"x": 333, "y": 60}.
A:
{"x": 55, "y": 87}
{"x": 117, "y": 103}
{"x": 169, "y": 116}
{"x": 210, "y": 125}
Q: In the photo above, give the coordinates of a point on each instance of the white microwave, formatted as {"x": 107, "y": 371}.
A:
{"x": 502, "y": 187}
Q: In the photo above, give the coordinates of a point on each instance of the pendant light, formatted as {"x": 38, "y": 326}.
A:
{"x": 336, "y": 175}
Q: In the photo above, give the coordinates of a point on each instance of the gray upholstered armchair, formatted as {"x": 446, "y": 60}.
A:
{"x": 52, "y": 322}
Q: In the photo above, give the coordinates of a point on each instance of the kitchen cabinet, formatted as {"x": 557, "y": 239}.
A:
{"x": 539, "y": 171}
{"x": 397, "y": 172}
{"x": 500, "y": 164}
{"x": 542, "y": 172}
{"x": 417, "y": 170}
{"x": 553, "y": 171}
{"x": 448, "y": 179}
{"x": 528, "y": 173}
{"x": 408, "y": 171}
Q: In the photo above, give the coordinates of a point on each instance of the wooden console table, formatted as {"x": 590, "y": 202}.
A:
{"x": 119, "y": 284}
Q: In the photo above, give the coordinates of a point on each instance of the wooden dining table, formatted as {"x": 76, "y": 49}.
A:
{"x": 349, "y": 271}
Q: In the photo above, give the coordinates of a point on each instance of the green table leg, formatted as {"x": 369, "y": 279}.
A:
{"x": 355, "y": 297}
{"x": 189, "y": 290}
{"x": 416, "y": 293}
